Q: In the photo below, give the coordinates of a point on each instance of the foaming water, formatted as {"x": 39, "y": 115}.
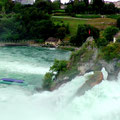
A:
{"x": 100, "y": 103}
{"x": 28, "y": 63}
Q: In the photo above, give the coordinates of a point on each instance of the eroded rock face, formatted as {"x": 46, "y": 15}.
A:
{"x": 93, "y": 80}
{"x": 84, "y": 60}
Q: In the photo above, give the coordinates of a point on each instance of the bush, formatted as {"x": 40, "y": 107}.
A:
{"x": 111, "y": 51}
{"x": 59, "y": 65}
{"x": 47, "y": 81}
{"x": 59, "y": 11}
{"x": 109, "y": 32}
{"x": 114, "y": 16}
{"x": 101, "y": 42}
{"x": 39, "y": 41}
{"x": 83, "y": 34}
{"x": 118, "y": 22}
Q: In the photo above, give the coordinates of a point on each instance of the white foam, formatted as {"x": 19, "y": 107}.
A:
{"x": 22, "y": 67}
{"x": 100, "y": 103}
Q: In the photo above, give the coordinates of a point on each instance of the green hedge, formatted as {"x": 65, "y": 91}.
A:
{"x": 58, "y": 11}
{"x": 87, "y": 16}
{"x": 113, "y": 16}
{"x": 60, "y": 14}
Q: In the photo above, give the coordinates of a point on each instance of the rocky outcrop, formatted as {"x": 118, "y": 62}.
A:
{"x": 84, "y": 60}
{"x": 93, "y": 80}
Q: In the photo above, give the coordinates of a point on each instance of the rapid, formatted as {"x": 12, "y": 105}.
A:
{"x": 102, "y": 102}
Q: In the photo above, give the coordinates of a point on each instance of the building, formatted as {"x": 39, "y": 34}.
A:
{"x": 53, "y": 41}
{"x": 117, "y": 4}
{"x": 25, "y": 1}
{"x": 63, "y": 6}
{"x": 116, "y": 37}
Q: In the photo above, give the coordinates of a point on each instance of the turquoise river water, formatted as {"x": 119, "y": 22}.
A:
{"x": 31, "y": 63}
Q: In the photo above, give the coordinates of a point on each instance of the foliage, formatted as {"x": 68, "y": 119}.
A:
{"x": 109, "y": 9}
{"x": 47, "y": 81}
{"x": 111, "y": 51}
{"x": 113, "y": 16}
{"x": 109, "y": 32}
{"x": 101, "y": 42}
{"x": 58, "y": 11}
{"x": 10, "y": 29}
{"x": 96, "y": 7}
{"x": 83, "y": 34}
{"x": 59, "y": 65}
{"x": 61, "y": 32}
{"x": 118, "y": 22}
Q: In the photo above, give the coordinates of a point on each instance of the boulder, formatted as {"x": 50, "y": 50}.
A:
{"x": 93, "y": 80}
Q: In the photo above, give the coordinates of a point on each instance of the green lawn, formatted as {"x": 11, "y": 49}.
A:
{"x": 73, "y": 23}
{"x": 100, "y": 23}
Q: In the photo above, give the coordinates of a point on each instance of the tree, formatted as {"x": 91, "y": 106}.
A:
{"x": 109, "y": 9}
{"x": 86, "y": 2}
{"x": 69, "y": 9}
{"x": 3, "y": 4}
{"x": 109, "y": 32}
{"x": 118, "y": 22}
{"x": 98, "y": 5}
{"x": 83, "y": 34}
{"x": 47, "y": 81}
{"x": 79, "y": 7}
{"x": 59, "y": 65}
{"x": 61, "y": 32}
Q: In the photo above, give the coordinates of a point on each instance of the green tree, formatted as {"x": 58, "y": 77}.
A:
{"x": 59, "y": 65}
{"x": 111, "y": 51}
{"x": 61, "y": 32}
{"x": 101, "y": 42}
{"x": 98, "y": 5}
{"x": 86, "y": 2}
{"x": 2, "y": 4}
{"x": 109, "y": 32}
{"x": 47, "y": 81}
{"x": 118, "y": 22}
{"x": 83, "y": 34}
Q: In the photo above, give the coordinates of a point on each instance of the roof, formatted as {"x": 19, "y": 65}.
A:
{"x": 52, "y": 39}
{"x": 117, "y": 35}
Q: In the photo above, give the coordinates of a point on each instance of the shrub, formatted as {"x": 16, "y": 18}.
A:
{"x": 114, "y": 16}
{"x": 109, "y": 32}
{"x": 101, "y": 42}
{"x": 83, "y": 34}
{"x": 59, "y": 65}
{"x": 118, "y": 22}
{"x": 111, "y": 51}
{"x": 47, "y": 81}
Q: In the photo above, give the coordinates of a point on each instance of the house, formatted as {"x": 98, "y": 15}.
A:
{"x": 24, "y": 2}
{"x": 117, "y": 36}
{"x": 53, "y": 41}
{"x": 63, "y": 7}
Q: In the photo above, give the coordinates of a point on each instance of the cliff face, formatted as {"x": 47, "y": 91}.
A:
{"x": 84, "y": 60}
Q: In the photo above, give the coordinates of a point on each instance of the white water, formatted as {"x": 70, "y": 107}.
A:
{"x": 100, "y": 103}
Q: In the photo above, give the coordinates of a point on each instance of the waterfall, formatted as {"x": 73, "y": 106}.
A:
{"x": 100, "y": 103}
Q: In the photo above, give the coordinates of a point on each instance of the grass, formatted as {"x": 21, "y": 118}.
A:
{"x": 87, "y": 16}
{"x": 100, "y": 23}
{"x": 73, "y": 23}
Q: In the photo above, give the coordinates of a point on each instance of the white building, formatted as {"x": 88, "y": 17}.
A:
{"x": 25, "y": 1}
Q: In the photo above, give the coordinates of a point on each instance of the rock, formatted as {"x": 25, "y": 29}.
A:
{"x": 93, "y": 80}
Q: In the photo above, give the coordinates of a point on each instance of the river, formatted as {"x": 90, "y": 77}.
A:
{"x": 18, "y": 103}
